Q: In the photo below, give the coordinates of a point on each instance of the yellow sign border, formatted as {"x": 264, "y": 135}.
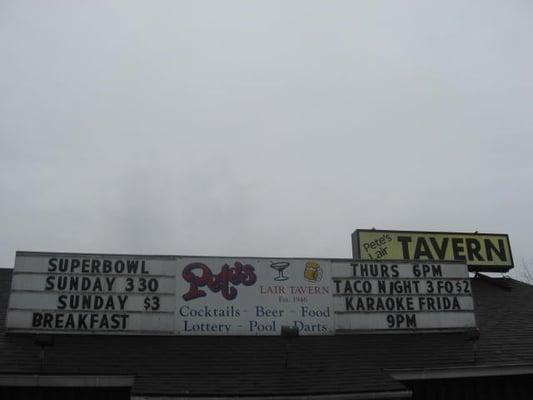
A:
{"x": 358, "y": 253}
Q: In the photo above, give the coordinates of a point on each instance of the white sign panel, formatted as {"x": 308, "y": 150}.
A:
{"x": 228, "y": 296}
{"x": 174, "y": 295}
{"x": 76, "y": 293}
{"x": 401, "y": 296}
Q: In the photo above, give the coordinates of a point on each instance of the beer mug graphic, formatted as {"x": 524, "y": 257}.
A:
{"x": 313, "y": 271}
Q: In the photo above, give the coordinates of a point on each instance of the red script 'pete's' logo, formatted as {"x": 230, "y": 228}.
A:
{"x": 200, "y": 275}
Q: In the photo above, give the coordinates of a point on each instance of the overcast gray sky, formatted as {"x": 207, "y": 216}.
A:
{"x": 264, "y": 128}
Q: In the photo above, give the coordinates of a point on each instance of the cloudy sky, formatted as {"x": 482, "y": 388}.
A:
{"x": 264, "y": 128}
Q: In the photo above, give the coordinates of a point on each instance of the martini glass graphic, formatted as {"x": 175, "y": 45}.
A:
{"x": 280, "y": 266}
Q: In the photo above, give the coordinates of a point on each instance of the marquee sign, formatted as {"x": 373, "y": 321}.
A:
{"x": 480, "y": 251}
{"x": 175, "y": 295}
{"x": 90, "y": 293}
{"x": 396, "y": 296}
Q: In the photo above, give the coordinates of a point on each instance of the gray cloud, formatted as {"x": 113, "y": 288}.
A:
{"x": 261, "y": 128}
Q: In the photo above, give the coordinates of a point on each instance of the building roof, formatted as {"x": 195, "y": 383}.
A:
{"x": 267, "y": 365}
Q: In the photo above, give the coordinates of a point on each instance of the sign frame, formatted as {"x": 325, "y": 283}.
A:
{"x": 343, "y": 331}
{"x": 275, "y": 279}
{"x": 356, "y": 245}
{"x": 83, "y": 255}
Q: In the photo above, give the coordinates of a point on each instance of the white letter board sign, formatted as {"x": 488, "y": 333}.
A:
{"x": 176, "y": 295}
